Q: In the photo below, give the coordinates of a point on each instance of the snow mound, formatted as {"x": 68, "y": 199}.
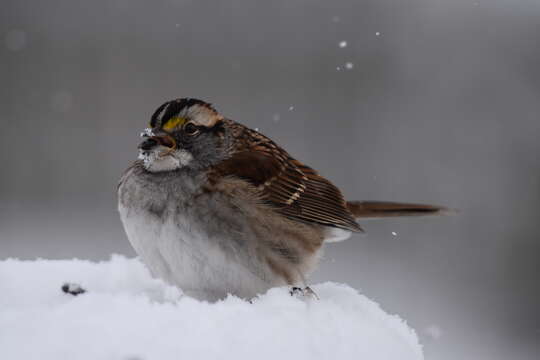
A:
{"x": 125, "y": 314}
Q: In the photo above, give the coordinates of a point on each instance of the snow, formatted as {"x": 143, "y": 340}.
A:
{"x": 126, "y": 314}
{"x": 349, "y": 65}
{"x": 147, "y": 132}
{"x": 343, "y": 44}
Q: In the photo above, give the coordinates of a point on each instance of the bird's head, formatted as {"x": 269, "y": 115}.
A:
{"x": 183, "y": 133}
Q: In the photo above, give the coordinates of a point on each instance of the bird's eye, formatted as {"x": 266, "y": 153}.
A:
{"x": 191, "y": 129}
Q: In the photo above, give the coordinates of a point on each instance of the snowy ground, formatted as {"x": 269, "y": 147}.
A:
{"x": 127, "y": 315}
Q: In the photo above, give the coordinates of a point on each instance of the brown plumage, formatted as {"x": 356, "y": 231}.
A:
{"x": 384, "y": 209}
{"x": 299, "y": 192}
{"x": 294, "y": 189}
{"x": 215, "y": 207}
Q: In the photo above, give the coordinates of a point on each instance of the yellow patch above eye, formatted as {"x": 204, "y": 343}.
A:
{"x": 174, "y": 122}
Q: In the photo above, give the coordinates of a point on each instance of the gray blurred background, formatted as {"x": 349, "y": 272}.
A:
{"x": 428, "y": 100}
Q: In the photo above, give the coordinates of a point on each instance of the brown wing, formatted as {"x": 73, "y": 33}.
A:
{"x": 294, "y": 189}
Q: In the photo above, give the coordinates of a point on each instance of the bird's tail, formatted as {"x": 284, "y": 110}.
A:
{"x": 383, "y": 209}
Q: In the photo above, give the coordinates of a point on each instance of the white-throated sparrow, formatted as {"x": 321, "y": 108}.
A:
{"x": 215, "y": 207}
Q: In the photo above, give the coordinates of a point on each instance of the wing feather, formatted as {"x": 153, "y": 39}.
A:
{"x": 294, "y": 189}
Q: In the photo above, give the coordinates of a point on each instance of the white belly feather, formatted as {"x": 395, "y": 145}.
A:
{"x": 181, "y": 255}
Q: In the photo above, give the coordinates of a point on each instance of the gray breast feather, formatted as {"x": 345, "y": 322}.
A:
{"x": 192, "y": 240}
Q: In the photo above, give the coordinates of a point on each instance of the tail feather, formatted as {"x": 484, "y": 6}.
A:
{"x": 383, "y": 209}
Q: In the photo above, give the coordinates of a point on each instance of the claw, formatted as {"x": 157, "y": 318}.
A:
{"x": 296, "y": 291}
{"x": 309, "y": 292}
{"x": 306, "y": 292}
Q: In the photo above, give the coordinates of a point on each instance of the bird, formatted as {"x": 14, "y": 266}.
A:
{"x": 217, "y": 208}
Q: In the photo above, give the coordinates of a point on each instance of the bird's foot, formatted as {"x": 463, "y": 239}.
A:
{"x": 305, "y": 293}
{"x": 73, "y": 289}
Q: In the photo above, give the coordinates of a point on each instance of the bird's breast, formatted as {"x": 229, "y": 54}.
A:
{"x": 191, "y": 240}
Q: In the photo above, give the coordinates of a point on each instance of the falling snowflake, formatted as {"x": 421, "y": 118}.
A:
{"x": 434, "y": 331}
{"x": 343, "y": 44}
{"x": 349, "y": 65}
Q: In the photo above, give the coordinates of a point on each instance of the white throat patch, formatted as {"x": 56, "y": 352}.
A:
{"x": 155, "y": 162}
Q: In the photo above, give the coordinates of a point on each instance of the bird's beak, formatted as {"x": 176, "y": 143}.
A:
{"x": 151, "y": 142}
